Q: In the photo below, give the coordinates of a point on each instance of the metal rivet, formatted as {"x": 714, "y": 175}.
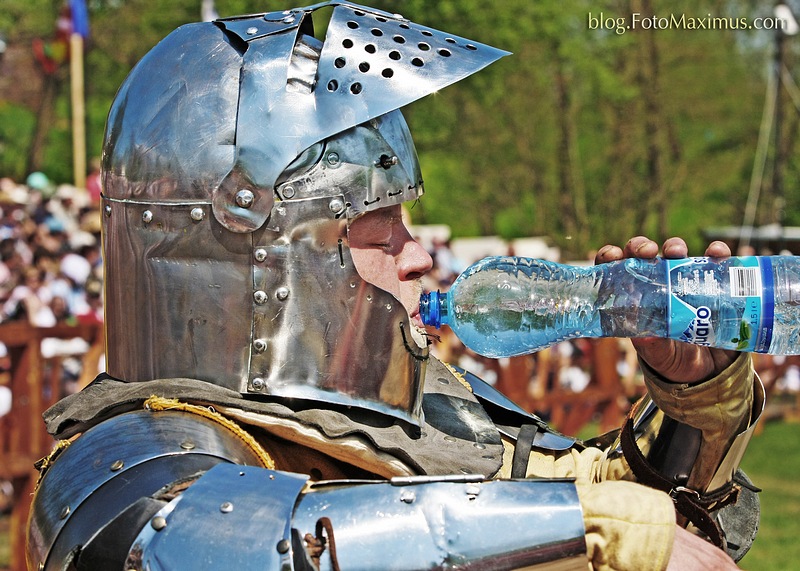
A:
{"x": 443, "y": 381}
{"x": 407, "y": 496}
{"x": 449, "y": 438}
{"x": 332, "y": 158}
{"x": 260, "y": 345}
{"x": 158, "y": 523}
{"x": 197, "y": 214}
{"x": 472, "y": 490}
{"x": 147, "y": 217}
{"x": 258, "y": 384}
{"x": 389, "y": 306}
{"x": 336, "y": 205}
{"x": 288, "y": 191}
{"x": 117, "y": 465}
{"x": 107, "y": 210}
{"x": 260, "y": 255}
{"x": 282, "y": 293}
{"x": 65, "y": 511}
{"x": 252, "y": 30}
{"x": 283, "y": 546}
{"x": 244, "y": 198}
{"x": 41, "y": 566}
{"x": 479, "y": 446}
{"x": 369, "y": 297}
{"x": 260, "y": 297}
{"x": 226, "y": 507}
{"x": 386, "y": 161}
{"x": 187, "y": 445}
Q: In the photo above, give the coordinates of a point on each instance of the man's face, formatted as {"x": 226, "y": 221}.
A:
{"x": 387, "y": 256}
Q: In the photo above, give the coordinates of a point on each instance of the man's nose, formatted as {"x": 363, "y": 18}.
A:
{"x": 414, "y": 261}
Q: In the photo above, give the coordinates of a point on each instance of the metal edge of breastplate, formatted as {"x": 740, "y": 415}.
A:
{"x": 546, "y": 438}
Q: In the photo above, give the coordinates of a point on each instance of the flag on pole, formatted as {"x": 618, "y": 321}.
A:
{"x": 80, "y": 18}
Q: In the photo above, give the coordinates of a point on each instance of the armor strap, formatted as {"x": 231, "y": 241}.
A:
{"x": 522, "y": 450}
{"x": 688, "y": 502}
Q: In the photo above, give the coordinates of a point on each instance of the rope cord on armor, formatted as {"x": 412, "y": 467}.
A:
{"x": 688, "y": 502}
{"x": 44, "y": 463}
{"x": 157, "y": 403}
{"x": 459, "y": 376}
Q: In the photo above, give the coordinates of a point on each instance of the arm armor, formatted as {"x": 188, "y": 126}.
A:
{"x": 662, "y": 451}
{"x": 262, "y": 519}
{"x": 172, "y": 490}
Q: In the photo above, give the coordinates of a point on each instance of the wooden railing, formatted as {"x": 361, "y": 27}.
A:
{"x": 35, "y": 385}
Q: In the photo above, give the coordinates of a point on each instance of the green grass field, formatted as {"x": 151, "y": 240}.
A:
{"x": 772, "y": 462}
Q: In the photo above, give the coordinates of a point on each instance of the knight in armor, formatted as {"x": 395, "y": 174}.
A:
{"x": 270, "y": 401}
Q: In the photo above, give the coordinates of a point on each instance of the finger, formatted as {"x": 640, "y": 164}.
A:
{"x": 608, "y": 253}
{"x": 718, "y": 249}
{"x": 640, "y": 247}
{"x": 675, "y": 248}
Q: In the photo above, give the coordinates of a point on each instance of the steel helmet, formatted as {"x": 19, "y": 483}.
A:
{"x": 237, "y": 152}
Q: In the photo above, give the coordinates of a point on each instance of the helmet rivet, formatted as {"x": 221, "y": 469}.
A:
{"x": 260, "y": 254}
{"x": 147, "y": 217}
{"x": 332, "y": 158}
{"x": 197, "y": 214}
{"x": 260, "y": 345}
{"x": 260, "y": 297}
{"x": 107, "y": 210}
{"x": 117, "y": 465}
{"x": 288, "y": 191}
{"x": 288, "y": 20}
{"x": 283, "y": 546}
{"x": 282, "y": 293}
{"x": 226, "y": 507}
{"x": 244, "y": 198}
{"x": 258, "y": 384}
{"x": 336, "y": 205}
{"x": 252, "y": 30}
{"x": 158, "y": 523}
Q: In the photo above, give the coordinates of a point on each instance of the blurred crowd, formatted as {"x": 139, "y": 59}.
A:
{"x": 50, "y": 265}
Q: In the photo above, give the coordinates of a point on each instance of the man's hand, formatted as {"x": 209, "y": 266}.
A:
{"x": 692, "y": 553}
{"x": 675, "y": 361}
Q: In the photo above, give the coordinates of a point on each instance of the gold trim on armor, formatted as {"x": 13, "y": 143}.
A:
{"x": 157, "y": 403}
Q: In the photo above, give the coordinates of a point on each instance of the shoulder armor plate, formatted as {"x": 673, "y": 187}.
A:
{"x": 104, "y": 472}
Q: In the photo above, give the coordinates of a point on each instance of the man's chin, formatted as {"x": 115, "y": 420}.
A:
{"x": 418, "y": 332}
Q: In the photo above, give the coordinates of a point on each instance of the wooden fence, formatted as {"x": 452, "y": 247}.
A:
{"x": 36, "y": 384}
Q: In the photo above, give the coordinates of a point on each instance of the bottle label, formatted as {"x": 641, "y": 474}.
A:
{"x": 726, "y": 303}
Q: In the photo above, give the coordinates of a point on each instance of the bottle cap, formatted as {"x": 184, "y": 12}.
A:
{"x": 429, "y": 309}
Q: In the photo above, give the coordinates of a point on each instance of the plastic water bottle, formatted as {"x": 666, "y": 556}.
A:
{"x": 506, "y": 306}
